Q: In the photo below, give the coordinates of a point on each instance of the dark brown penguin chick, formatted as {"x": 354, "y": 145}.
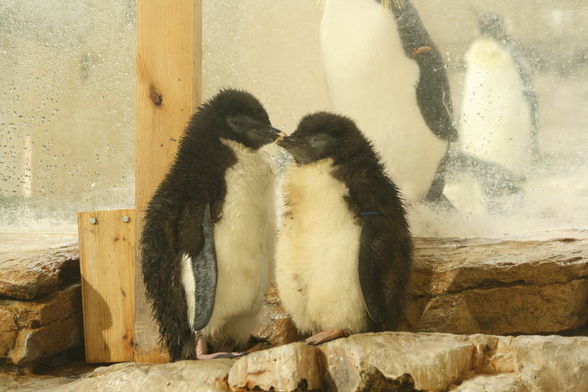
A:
{"x": 207, "y": 244}
{"x": 344, "y": 252}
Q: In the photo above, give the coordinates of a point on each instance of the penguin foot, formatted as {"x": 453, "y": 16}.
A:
{"x": 220, "y": 355}
{"x": 326, "y": 336}
{"x": 202, "y": 351}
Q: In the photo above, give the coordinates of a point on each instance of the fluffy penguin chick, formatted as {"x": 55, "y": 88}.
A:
{"x": 344, "y": 252}
{"x": 207, "y": 244}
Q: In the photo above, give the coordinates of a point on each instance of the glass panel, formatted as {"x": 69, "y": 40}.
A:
{"x": 67, "y": 102}
{"x": 66, "y": 110}
{"x": 515, "y": 167}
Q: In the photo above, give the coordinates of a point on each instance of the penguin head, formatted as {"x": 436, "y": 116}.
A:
{"x": 491, "y": 25}
{"x": 324, "y": 135}
{"x": 239, "y": 116}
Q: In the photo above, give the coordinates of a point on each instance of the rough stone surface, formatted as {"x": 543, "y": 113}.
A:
{"x": 372, "y": 380}
{"x": 459, "y": 264}
{"x": 35, "y": 344}
{"x": 32, "y": 330}
{"x": 33, "y": 265}
{"x": 8, "y": 331}
{"x": 544, "y": 363}
{"x": 293, "y": 367}
{"x": 494, "y": 383}
{"x": 10, "y": 382}
{"x": 184, "y": 376}
{"x": 389, "y": 361}
{"x": 59, "y": 370}
{"x": 435, "y": 361}
{"x": 499, "y": 287}
{"x": 438, "y": 362}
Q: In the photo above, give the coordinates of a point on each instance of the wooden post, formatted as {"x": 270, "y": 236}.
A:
{"x": 169, "y": 58}
{"x": 107, "y": 263}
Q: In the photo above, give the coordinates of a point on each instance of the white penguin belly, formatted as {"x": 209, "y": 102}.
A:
{"x": 317, "y": 252}
{"x": 496, "y": 119}
{"x": 244, "y": 242}
{"x": 371, "y": 80}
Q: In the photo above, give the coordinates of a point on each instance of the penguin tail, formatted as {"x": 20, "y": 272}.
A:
{"x": 161, "y": 271}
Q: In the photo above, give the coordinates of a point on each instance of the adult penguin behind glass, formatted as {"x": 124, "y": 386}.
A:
{"x": 384, "y": 70}
{"x": 492, "y": 26}
{"x": 207, "y": 244}
{"x": 498, "y": 124}
{"x": 499, "y": 120}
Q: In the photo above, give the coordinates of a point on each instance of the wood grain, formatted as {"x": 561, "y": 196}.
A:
{"x": 107, "y": 254}
{"x": 169, "y": 52}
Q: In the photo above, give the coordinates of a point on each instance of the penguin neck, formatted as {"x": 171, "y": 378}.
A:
{"x": 331, "y": 162}
{"x": 321, "y": 164}
{"x": 237, "y": 147}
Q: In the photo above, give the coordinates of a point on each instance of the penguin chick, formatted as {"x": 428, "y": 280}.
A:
{"x": 207, "y": 244}
{"x": 344, "y": 253}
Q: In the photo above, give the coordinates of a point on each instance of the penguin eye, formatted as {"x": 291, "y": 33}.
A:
{"x": 237, "y": 123}
{"x": 315, "y": 139}
{"x": 321, "y": 141}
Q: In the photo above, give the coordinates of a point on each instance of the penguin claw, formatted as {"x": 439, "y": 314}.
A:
{"x": 201, "y": 351}
{"x": 326, "y": 336}
{"x": 220, "y": 355}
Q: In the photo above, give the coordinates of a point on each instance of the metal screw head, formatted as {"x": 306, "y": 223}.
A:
{"x": 93, "y": 221}
{"x": 126, "y": 219}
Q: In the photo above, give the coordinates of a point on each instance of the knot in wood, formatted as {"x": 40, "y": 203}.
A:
{"x": 156, "y": 96}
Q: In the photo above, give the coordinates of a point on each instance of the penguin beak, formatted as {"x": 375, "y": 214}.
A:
{"x": 282, "y": 137}
{"x": 299, "y": 148}
{"x": 273, "y": 133}
{"x": 293, "y": 144}
{"x": 288, "y": 141}
{"x": 279, "y": 132}
{"x": 267, "y": 133}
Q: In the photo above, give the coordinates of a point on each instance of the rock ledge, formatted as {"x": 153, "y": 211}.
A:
{"x": 390, "y": 361}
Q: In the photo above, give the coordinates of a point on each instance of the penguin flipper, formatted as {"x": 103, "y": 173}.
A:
{"x": 368, "y": 276}
{"x": 433, "y": 92}
{"x": 196, "y": 245}
{"x": 205, "y": 272}
{"x": 385, "y": 258}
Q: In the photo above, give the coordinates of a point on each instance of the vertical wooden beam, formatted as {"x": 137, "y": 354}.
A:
{"x": 169, "y": 57}
{"x": 107, "y": 255}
